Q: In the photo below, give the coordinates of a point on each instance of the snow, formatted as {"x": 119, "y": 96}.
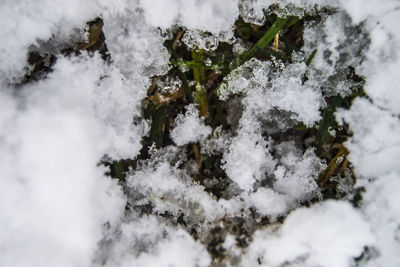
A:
{"x": 25, "y": 22}
{"x": 210, "y": 15}
{"x": 135, "y": 47}
{"x": 208, "y": 21}
{"x": 180, "y": 250}
{"x": 374, "y": 147}
{"x": 54, "y": 199}
{"x": 308, "y": 235}
{"x": 269, "y": 202}
{"x": 169, "y": 189}
{"x": 380, "y": 206}
{"x": 148, "y": 242}
{"x": 195, "y": 39}
{"x": 297, "y": 174}
{"x": 189, "y": 128}
{"x": 278, "y": 99}
{"x": 282, "y": 89}
{"x": 168, "y": 85}
{"x": 58, "y": 208}
{"x": 246, "y": 158}
{"x": 340, "y": 46}
{"x": 375, "y": 139}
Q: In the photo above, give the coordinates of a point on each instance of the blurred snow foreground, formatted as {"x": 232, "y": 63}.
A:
{"x": 58, "y": 208}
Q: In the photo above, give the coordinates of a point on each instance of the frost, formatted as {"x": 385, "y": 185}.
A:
{"x": 189, "y": 127}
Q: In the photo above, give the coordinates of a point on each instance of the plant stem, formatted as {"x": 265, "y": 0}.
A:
{"x": 266, "y": 39}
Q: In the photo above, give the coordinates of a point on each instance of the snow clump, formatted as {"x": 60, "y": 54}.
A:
{"x": 189, "y": 127}
{"x": 308, "y": 234}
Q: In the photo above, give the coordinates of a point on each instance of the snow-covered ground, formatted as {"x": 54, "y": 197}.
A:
{"x": 59, "y": 208}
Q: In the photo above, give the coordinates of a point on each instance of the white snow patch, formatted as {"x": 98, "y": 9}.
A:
{"x": 147, "y": 241}
{"x": 54, "y": 198}
{"x": 247, "y": 160}
{"x": 270, "y": 86}
{"x": 269, "y": 203}
{"x": 189, "y": 128}
{"x": 328, "y": 234}
{"x": 296, "y": 175}
{"x": 24, "y": 22}
{"x": 214, "y": 16}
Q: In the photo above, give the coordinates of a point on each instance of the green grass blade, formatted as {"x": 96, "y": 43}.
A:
{"x": 198, "y": 66}
{"x": 199, "y": 75}
{"x": 262, "y": 44}
{"x": 292, "y": 20}
{"x": 157, "y": 125}
{"x": 267, "y": 38}
{"x": 328, "y": 121}
{"x": 311, "y": 57}
{"x": 189, "y": 92}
